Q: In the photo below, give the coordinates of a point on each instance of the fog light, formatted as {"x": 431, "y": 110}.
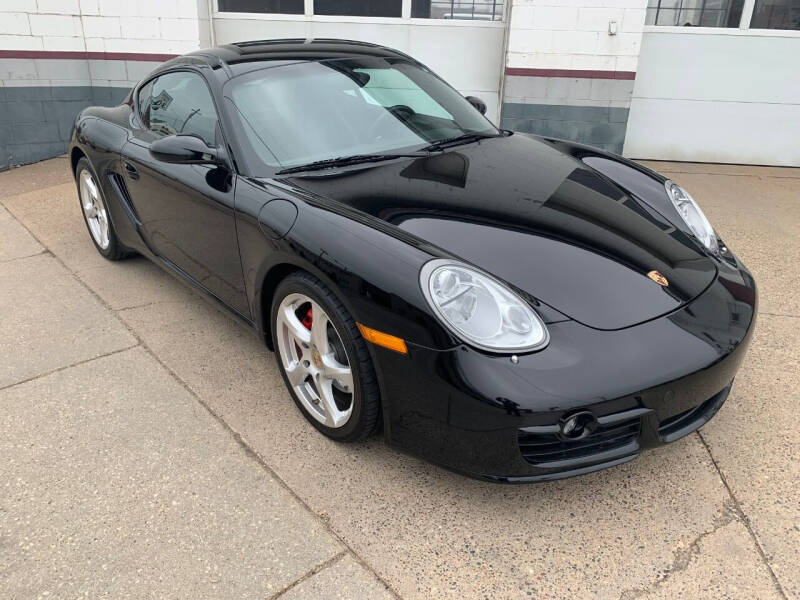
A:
{"x": 577, "y": 425}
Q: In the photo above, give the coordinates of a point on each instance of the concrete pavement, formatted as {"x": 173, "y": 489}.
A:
{"x": 152, "y": 450}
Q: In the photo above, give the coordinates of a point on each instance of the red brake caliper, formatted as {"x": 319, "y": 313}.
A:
{"x": 308, "y": 319}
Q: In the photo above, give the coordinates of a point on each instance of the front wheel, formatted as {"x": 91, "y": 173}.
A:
{"x": 323, "y": 359}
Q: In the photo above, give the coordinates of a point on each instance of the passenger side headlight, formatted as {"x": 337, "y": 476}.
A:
{"x": 479, "y": 309}
{"x": 692, "y": 215}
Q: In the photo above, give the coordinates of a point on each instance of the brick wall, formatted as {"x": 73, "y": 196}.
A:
{"x": 58, "y": 56}
{"x": 567, "y": 75}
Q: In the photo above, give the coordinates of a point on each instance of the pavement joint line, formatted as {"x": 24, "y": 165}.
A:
{"x": 682, "y": 557}
{"x": 146, "y": 304}
{"x": 779, "y": 315}
{"x": 9, "y": 260}
{"x": 237, "y": 437}
{"x": 320, "y": 567}
{"x": 65, "y": 367}
{"x": 744, "y": 519}
{"x": 676, "y": 172}
{"x": 679, "y": 168}
{"x": 253, "y": 454}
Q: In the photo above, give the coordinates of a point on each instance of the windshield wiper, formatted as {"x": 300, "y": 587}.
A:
{"x": 464, "y": 138}
{"x": 343, "y": 161}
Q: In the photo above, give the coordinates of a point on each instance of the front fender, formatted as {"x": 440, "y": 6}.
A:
{"x": 375, "y": 275}
{"x": 101, "y": 141}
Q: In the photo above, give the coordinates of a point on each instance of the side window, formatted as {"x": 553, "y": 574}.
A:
{"x": 143, "y": 102}
{"x": 181, "y": 103}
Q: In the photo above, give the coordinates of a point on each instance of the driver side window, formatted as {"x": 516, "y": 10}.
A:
{"x": 179, "y": 103}
{"x": 143, "y": 102}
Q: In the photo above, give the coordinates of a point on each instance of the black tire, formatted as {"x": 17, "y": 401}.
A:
{"x": 115, "y": 250}
{"x": 366, "y": 396}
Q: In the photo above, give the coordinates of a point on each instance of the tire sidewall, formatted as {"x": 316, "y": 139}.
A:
{"x": 355, "y": 424}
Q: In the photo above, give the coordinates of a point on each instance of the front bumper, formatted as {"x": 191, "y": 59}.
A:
{"x": 645, "y": 386}
{"x": 618, "y": 438}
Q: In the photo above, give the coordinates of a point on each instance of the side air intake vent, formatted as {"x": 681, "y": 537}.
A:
{"x": 121, "y": 189}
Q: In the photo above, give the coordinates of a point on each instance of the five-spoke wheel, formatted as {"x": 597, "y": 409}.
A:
{"x": 323, "y": 359}
{"x": 315, "y": 360}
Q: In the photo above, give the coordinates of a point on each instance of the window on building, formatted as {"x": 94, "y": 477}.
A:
{"x": 180, "y": 103}
{"x": 359, "y": 8}
{"x": 695, "y": 13}
{"x": 480, "y": 10}
{"x": 288, "y": 7}
{"x": 483, "y": 10}
{"x": 776, "y": 14}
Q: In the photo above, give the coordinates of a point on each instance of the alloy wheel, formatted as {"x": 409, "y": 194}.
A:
{"x": 315, "y": 360}
{"x": 93, "y": 209}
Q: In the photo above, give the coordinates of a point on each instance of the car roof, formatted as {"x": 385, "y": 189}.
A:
{"x": 247, "y": 55}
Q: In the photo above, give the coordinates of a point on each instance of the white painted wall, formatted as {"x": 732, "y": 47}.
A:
{"x": 467, "y": 54}
{"x": 150, "y": 26}
{"x": 573, "y": 34}
{"x": 717, "y": 96}
{"x": 128, "y": 26}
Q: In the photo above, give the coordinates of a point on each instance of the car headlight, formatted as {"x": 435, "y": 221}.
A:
{"x": 479, "y": 309}
{"x": 692, "y": 215}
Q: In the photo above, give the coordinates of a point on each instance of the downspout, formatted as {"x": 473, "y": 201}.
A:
{"x": 503, "y": 59}
{"x": 211, "y": 35}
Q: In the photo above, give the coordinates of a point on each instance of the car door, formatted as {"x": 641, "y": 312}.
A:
{"x": 186, "y": 211}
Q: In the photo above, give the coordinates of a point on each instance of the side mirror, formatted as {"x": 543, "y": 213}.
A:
{"x": 185, "y": 149}
{"x": 479, "y": 104}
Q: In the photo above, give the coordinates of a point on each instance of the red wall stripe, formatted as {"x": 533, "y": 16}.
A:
{"x": 141, "y": 56}
{"x": 572, "y": 73}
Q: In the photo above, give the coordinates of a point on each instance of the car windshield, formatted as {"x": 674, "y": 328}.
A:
{"x": 305, "y": 112}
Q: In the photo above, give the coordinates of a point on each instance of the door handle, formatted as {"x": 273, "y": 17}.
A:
{"x": 130, "y": 170}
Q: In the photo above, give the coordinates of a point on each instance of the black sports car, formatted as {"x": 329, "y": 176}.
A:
{"x": 512, "y": 307}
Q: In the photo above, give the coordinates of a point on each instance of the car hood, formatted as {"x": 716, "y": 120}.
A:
{"x": 537, "y": 218}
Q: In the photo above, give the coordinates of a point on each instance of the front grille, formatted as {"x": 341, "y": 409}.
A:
{"x": 547, "y": 450}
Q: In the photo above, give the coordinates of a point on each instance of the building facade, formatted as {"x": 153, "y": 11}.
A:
{"x": 571, "y": 67}
{"x": 694, "y": 80}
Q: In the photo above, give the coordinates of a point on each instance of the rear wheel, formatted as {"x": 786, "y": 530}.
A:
{"x": 323, "y": 359}
{"x": 95, "y": 213}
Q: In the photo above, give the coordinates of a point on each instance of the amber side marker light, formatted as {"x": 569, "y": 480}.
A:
{"x": 383, "y": 339}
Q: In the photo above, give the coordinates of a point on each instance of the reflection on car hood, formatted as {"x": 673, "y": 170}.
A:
{"x": 538, "y": 219}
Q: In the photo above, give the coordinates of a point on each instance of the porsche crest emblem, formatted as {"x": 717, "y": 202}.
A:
{"x": 658, "y": 278}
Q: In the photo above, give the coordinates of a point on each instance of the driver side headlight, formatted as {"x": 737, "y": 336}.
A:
{"x": 479, "y": 309}
{"x": 692, "y": 215}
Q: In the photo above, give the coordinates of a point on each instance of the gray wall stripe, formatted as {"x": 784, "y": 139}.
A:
{"x": 600, "y": 126}
{"x": 36, "y": 122}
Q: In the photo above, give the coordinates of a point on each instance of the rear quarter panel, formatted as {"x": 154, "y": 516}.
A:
{"x": 99, "y": 135}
